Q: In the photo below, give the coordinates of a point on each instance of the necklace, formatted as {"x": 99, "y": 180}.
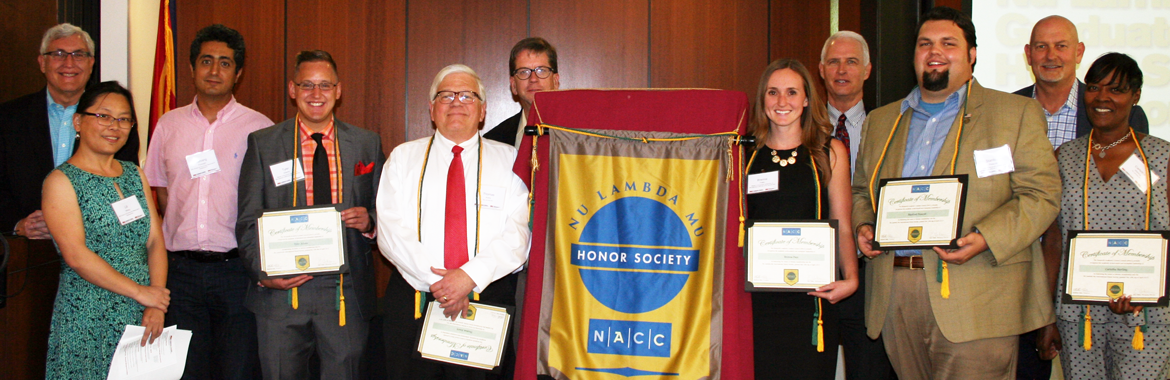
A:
{"x": 784, "y": 161}
{"x": 1107, "y": 147}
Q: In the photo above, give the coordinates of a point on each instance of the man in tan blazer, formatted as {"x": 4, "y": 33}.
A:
{"x": 996, "y": 278}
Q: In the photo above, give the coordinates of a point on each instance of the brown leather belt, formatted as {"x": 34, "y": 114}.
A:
{"x": 912, "y": 262}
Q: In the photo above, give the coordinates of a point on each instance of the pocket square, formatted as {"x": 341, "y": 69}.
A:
{"x": 359, "y": 168}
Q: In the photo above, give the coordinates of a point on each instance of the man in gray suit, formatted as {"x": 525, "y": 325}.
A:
{"x": 297, "y": 317}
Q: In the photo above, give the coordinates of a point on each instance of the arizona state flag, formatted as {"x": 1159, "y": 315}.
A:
{"x": 162, "y": 95}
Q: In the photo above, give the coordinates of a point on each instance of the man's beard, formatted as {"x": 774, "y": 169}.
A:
{"x": 936, "y": 81}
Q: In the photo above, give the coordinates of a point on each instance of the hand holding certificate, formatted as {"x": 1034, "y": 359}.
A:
{"x": 302, "y": 241}
{"x": 921, "y": 212}
{"x": 475, "y": 339}
{"x": 1106, "y": 265}
{"x": 790, "y": 255}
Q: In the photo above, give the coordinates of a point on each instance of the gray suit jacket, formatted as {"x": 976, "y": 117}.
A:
{"x": 258, "y": 192}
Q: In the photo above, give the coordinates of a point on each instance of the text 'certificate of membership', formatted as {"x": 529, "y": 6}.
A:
{"x": 475, "y": 339}
{"x": 301, "y": 241}
{"x": 922, "y": 212}
{"x": 1107, "y": 265}
{"x": 790, "y": 255}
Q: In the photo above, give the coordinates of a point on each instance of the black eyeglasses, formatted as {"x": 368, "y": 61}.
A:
{"x": 59, "y": 55}
{"x": 309, "y": 86}
{"x": 107, "y": 120}
{"x": 542, "y": 72}
{"x": 448, "y": 97}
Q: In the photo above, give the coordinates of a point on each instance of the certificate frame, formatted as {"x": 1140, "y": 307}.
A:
{"x": 1091, "y": 240}
{"x": 915, "y": 234}
{"x": 297, "y": 215}
{"x": 758, "y": 229}
{"x": 433, "y": 321}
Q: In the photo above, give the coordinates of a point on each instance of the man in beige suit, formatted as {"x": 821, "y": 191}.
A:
{"x": 995, "y": 279}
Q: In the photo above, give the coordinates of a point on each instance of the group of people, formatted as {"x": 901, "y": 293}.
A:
{"x": 215, "y": 166}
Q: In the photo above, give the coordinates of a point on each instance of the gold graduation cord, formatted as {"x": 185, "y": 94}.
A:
{"x": 294, "y": 297}
{"x": 944, "y": 271}
{"x": 818, "y": 334}
{"x": 419, "y": 303}
{"x": 1087, "y": 332}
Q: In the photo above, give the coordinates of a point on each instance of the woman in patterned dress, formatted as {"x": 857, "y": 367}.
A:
{"x": 109, "y": 235}
{"x": 1116, "y": 163}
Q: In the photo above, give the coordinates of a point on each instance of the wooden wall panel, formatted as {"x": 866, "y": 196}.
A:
{"x": 695, "y": 43}
{"x": 368, "y": 42}
{"x": 600, "y": 44}
{"x": 28, "y": 20}
{"x": 262, "y": 87}
{"x": 798, "y": 29}
{"x": 848, "y": 16}
{"x": 477, "y": 33}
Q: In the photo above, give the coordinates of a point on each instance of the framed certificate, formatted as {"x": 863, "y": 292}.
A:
{"x": 301, "y": 240}
{"x": 790, "y": 255}
{"x": 475, "y": 341}
{"x": 1106, "y": 265}
{"x": 920, "y": 212}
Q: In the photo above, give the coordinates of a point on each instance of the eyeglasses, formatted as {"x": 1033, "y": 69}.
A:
{"x": 541, "y": 72}
{"x": 107, "y": 120}
{"x": 465, "y": 97}
{"x": 309, "y": 86}
{"x": 59, "y": 55}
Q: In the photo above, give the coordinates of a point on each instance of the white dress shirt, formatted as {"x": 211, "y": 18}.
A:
{"x": 854, "y": 118}
{"x": 504, "y": 236}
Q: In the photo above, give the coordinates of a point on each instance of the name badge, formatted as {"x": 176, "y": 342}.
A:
{"x": 763, "y": 182}
{"x": 1135, "y": 169}
{"x": 128, "y": 210}
{"x": 282, "y": 173}
{"x": 492, "y": 197}
{"x": 202, "y": 163}
{"x": 994, "y": 161}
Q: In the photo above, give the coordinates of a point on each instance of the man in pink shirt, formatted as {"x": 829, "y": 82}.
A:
{"x": 193, "y": 164}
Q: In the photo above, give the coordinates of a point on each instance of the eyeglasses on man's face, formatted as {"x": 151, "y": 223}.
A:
{"x": 542, "y": 72}
{"x": 59, "y": 55}
{"x": 465, "y": 97}
{"x": 308, "y": 86}
{"x": 108, "y": 120}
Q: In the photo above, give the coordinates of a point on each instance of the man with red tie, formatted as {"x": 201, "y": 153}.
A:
{"x": 453, "y": 220}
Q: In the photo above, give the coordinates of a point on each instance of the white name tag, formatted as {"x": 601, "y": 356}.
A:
{"x": 128, "y": 210}
{"x": 282, "y": 173}
{"x": 1135, "y": 169}
{"x": 994, "y": 161}
{"x": 763, "y": 182}
{"x": 492, "y": 197}
{"x": 202, "y": 163}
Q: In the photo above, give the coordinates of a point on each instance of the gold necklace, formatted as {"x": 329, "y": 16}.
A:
{"x": 784, "y": 161}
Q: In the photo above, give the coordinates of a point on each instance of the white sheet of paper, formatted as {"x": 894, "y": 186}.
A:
{"x": 162, "y": 360}
{"x": 282, "y": 172}
{"x": 994, "y": 161}
{"x": 202, "y": 163}
{"x": 763, "y": 182}
{"x": 1135, "y": 169}
{"x": 128, "y": 210}
{"x": 492, "y": 197}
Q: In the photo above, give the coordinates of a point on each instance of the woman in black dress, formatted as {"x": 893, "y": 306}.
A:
{"x": 790, "y": 123}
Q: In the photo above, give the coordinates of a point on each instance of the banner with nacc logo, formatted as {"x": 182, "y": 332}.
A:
{"x": 637, "y": 271}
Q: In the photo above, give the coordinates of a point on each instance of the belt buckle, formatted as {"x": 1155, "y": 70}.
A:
{"x": 911, "y": 259}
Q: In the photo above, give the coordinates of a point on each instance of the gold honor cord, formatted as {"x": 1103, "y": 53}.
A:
{"x": 944, "y": 272}
{"x": 419, "y": 303}
{"x": 294, "y": 298}
{"x": 1086, "y": 322}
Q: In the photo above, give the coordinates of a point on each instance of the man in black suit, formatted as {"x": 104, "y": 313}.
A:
{"x": 326, "y": 316}
{"x": 532, "y": 68}
{"x": 1053, "y": 52}
{"x": 36, "y": 130}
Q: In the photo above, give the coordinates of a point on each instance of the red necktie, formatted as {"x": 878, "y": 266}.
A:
{"x": 842, "y": 133}
{"x": 455, "y": 222}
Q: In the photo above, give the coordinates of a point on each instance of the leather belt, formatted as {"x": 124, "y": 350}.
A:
{"x": 912, "y": 262}
{"x": 208, "y": 256}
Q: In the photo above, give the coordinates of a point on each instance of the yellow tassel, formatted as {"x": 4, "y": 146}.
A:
{"x": 475, "y": 296}
{"x": 1088, "y": 330}
{"x": 417, "y": 307}
{"x": 741, "y": 231}
{"x": 946, "y": 282}
{"x": 1139, "y": 339}
{"x": 820, "y": 329}
{"x": 341, "y": 308}
{"x": 296, "y": 302}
